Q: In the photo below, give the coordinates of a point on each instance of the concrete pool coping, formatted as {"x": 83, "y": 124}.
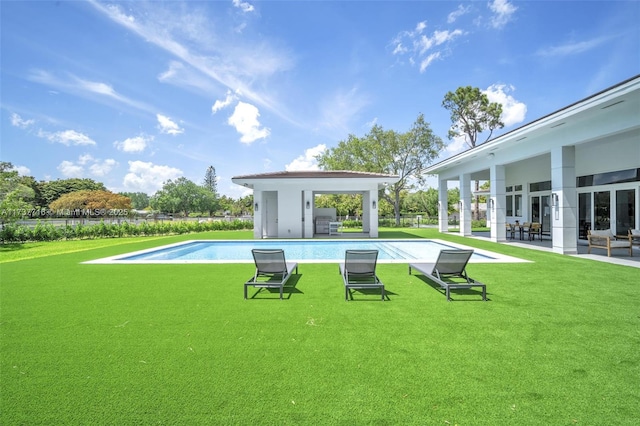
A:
{"x": 486, "y": 256}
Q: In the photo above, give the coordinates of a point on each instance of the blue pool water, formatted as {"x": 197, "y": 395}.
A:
{"x": 295, "y": 250}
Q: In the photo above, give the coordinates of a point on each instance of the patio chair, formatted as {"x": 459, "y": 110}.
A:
{"x": 272, "y": 270}
{"x": 359, "y": 272}
{"x": 449, "y": 272}
{"x": 634, "y": 234}
{"x": 604, "y": 239}
{"x": 534, "y": 229}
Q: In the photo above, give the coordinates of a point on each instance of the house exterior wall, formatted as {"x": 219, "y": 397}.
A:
{"x": 600, "y": 134}
{"x": 294, "y": 220}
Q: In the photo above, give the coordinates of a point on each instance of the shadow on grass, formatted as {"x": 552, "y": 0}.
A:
{"x": 288, "y": 289}
{"x": 369, "y": 292}
{"x": 9, "y": 247}
{"x": 457, "y": 291}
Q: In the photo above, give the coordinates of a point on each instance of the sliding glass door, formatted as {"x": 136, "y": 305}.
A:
{"x": 584, "y": 214}
{"x": 625, "y": 207}
{"x": 602, "y": 210}
{"x": 541, "y": 212}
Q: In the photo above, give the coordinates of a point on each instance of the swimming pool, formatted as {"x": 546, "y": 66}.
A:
{"x": 309, "y": 251}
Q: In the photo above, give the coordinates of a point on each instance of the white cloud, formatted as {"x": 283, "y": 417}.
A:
{"x": 67, "y": 137}
{"x": 102, "y": 168}
{"x": 371, "y": 123}
{"x": 191, "y": 38}
{"x": 22, "y": 170}
{"x": 96, "y": 167}
{"x": 422, "y": 48}
{"x": 187, "y": 77}
{"x": 70, "y": 169}
{"x": 502, "y": 12}
{"x": 428, "y": 60}
{"x": 339, "y": 109}
{"x": 513, "y": 111}
{"x": 166, "y": 125}
{"x": 245, "y": 120}
{"x": 85, "y": 88}
{"x": 461, "y": 10}
{"x": 457, "y": 144}
{"x": 573, "y": 48}
{"x": 85, "y": 159}
{"x": 218, "y": 105}
{"x": 308, "y": 160}
{"x": 243, "y": 5}
{"x": 17, "y": 121}
{"x": 135, "y": 144}
{"x": 148, "y": 177}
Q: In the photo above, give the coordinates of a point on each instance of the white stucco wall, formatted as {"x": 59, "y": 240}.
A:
{"x": 291, "y": 196}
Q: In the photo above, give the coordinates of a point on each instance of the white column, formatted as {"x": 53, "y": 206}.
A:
{"x": 443, "y": 212}
{"x": 366, "y": 212}
{"x": 497, "y": 203}
{"x": 465, "y": 202}
{"x": 257, "y": 214}
{"x": 373, "y": 215}
{"x": 564, "y": 199}
{"x": 308, "y": 213}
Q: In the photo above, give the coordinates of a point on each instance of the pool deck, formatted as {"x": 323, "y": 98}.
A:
{"x": 618, "y": 256}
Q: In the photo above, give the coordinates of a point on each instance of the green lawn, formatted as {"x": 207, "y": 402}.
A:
{"x": 558, "y": 343}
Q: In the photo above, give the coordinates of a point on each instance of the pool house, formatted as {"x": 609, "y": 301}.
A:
{"x": 284, "y": 202}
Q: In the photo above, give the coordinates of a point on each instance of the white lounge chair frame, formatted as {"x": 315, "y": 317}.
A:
{"x": 450, "y": 264}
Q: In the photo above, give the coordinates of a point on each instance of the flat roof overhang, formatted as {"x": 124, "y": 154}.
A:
{"x": 340, "y": 177}
{"x": 622, "y": 97}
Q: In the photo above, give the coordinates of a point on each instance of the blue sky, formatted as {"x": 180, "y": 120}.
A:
{"x": 132, "y": 94}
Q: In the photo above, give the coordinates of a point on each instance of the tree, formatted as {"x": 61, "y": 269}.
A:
{"x": 386, "y": 151}
{"x": 427, "y": 201}
{"x": 52, "y": 190}
{"x": 210, "y": 180}
{"x": 210, "y": 183}
{"x": 345, "y": 204}
{"x": 85, "y": 202}
{"x": 182, "y": 195}
{"x": 139, "y": 200}
{"x": 472, "y": 114}
{"x": 16, "y": 198}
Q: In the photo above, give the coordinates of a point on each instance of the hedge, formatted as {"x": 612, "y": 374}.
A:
{"x": 42, "y": 231}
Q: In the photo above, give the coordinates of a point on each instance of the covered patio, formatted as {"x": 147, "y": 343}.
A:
{"x": 571, "y": 171}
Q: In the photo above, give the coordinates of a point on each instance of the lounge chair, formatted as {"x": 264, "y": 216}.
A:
{"x": 450, "y": 265}
{"x": 272, "y": 270}
{"x": 359, "y": 271}
{"x": 604, "y": 239}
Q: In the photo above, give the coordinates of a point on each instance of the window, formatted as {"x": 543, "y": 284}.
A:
{"x": 540, "y": 186}
{"x": 620, "y": 176}
{"x": 509, "y": 205}
{"x": 518, "y": 203}
{"x": 514, "y": 200}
